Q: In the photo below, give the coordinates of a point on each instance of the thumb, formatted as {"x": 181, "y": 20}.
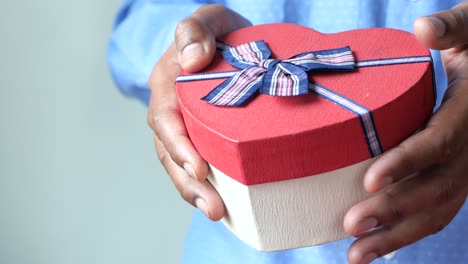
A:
{"x": 444, "y": 30}
{"x": 195, "y": 35}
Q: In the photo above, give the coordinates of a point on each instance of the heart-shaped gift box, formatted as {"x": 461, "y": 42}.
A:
{"x": 289, "y": 167}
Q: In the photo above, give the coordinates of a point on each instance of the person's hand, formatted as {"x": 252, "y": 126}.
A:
{"x": 430, "y": 168}
{"x": 193, "y": 49}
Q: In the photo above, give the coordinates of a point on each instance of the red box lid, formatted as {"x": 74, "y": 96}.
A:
{"x": 274, "y": 138}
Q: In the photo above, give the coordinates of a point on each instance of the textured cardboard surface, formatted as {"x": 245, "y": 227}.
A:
{"x": 292, "y": 213}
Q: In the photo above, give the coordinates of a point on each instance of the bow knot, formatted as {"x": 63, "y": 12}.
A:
{"x": 260, "y": 73}
{"x": 268, "y": 63}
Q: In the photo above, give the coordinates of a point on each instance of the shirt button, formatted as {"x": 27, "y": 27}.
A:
{"x": 390, "y": 255}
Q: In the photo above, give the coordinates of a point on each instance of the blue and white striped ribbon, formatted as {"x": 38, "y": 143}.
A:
{"x": 359, "y": 64}
{"x": 364, "y": 114}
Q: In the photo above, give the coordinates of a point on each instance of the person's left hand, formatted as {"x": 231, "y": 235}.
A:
{"x": 430, "y": 168}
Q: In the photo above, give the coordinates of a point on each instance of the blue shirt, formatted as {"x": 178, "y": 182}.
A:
{"x": 145, "y": 28}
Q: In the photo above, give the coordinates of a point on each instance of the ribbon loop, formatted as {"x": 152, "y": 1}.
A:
{"x": 247, "y": 55}
{"x": 272, "y": 76}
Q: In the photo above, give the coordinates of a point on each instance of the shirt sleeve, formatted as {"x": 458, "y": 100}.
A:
{"x": 142, "y": 32}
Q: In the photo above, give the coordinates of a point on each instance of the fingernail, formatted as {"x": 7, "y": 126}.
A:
{"x": 439, "y": 25}
{"x": 365, "y": 225}
{"x": 369, "y": 258}
{"x": 201, "y": 204}
{"x": 191, "y": 51}
{"x": 189, "y": 169}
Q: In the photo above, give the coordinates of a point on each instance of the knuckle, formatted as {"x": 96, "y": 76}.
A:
{"x": 153, "y": 78}
{"x": 443, "y": 144}
{"x": 149, "y": 118}
{"x": 221, "y": 10}
{"x": 181, "y": 181}
{"x": 210, "y": 7}
{"x": 185, "y": 191}
{"x": 447, "y": 146}
{"x": 398, "y": 240}
{"x": 452, "y": 18}
{"x": 157, "y": 116}
{"x": 153, "y": 118}
{"x": 406, "y": 161}
{"x": 164, "y": 158}
{"x": 187, "y": 25}
{"x": 456, "y": 17}
{"x": 395, "y": 211}
{"x": 444, "y": 191}
{"x": 390, "y": 244}
{"x": 184, "y": 25}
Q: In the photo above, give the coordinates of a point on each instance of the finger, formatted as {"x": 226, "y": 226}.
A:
{"x": 195, "y": 36}
{"x": 198, "y": 193}
{"x": 444, "y": 30}
{"x": 395, "y": 236}
{"x": 165, "y": 119}
{"x": 430, "y": 147}
{"x": 175, "y": 150}
{"x": 434, "y": 145}
{"x": 430, "y": 189}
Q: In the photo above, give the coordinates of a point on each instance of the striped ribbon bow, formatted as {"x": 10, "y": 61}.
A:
{"x": 273, "y": 77}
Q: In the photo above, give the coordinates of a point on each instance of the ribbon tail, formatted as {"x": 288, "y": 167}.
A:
{"x": 285, "y": 80}
{"x": 238, "y": 89}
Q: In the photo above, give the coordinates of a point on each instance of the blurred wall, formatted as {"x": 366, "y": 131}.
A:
{"x": 79, "y": 180}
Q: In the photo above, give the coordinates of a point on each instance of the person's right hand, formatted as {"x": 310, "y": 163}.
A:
{"x": 193, "y": 49}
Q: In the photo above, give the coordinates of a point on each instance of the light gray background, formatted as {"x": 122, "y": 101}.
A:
{"x": 79, "y": 180}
